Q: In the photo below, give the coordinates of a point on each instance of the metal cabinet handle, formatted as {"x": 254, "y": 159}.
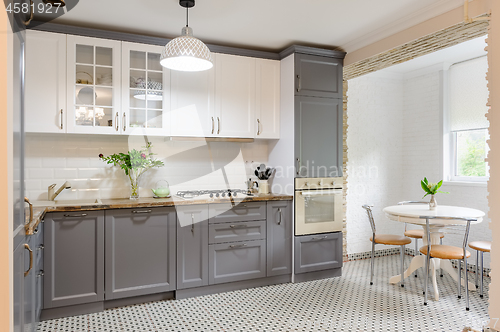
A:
{"x": 116, "y": 122}
{"x": 32, "y": 9}
{"x": 61, "y": 119}
{"x": 238, "y": 226}
{"x": 281, "y": 216}
{"x": 319, "y": 238}
{"x": 27, "y": 247}
{"x": 31, "y": 210}
{"x": 35, "y": 231}
{"x": 258, "y": 126}
{"x": 75, "y": 215}
{"x": 124, "y": 122}
{"x": 41, "y": 247}
{"x": 41, "y": 273}
{"x": 298, "y": 166}
{"x": 218, "y": 125}
{"x": 213, "y": 125}
{"x": 142, "y": 211}
{"x": 237, "y": 245}
{"x": 192, "y": 223}
{"x": 300, "y": 84}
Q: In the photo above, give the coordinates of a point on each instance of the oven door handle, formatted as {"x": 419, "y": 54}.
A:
{"x": 320, "y": 192}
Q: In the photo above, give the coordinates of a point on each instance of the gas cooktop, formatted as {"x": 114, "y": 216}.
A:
{"x": 214, "y": 193}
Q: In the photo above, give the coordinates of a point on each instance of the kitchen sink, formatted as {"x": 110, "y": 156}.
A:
{"x": 68, "y": 202}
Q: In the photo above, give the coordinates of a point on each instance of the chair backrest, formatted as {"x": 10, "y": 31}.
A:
{"x": 466, "y": 231}
{"x": 368, "y": 209}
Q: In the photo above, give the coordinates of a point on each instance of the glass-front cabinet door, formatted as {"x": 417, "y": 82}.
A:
{"x": 93, "y": 85}
{"x": 145, "y": 94}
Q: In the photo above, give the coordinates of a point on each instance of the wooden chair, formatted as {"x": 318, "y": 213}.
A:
{"x": 417, "y": 233}
{"x": 480, "y": 247}
{"x": 387, "y": 239}
{"x": 447, "y": 252}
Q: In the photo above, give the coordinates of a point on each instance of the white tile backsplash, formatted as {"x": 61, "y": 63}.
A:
{"x": 55, "y": 158}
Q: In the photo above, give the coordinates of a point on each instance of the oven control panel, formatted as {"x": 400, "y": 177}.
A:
{"x": 318, "y": 183}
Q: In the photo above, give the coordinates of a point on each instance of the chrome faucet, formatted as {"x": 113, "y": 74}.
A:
{"x": 53, "y": 194}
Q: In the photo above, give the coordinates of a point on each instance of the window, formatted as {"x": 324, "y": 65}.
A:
{"x": 468, "y": 125}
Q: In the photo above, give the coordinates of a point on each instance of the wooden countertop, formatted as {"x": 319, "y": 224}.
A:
{"x": 125, "y": 203}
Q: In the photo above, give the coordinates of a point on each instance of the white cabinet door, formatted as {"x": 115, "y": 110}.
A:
{"x": 93, "y": 85}
{"x": 235, "y": 96}
{"x": 145, "y": 91}
{"x": 268, "y": 99}
{"x": 45, "y": 82}
{"x": 193, "y": 103}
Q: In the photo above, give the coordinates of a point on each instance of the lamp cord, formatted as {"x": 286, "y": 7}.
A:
{"x": 187, "y": 16}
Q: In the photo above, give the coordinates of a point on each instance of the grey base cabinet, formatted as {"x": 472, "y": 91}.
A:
{"x": 38, "y": 270}
{"x": 24, "y": 288}
{"x": 318, "y": 252}
{"x": 140, "y": 251}
{"x": 279, "y": 238}
{"x": 192, "y": 246}
{"x": 237, "y": 261}
{"x": 73, "y": 258}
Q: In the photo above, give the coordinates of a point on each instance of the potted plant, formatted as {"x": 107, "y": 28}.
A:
{"x": 432, "y": 189}
{"x": 134, "y": 163}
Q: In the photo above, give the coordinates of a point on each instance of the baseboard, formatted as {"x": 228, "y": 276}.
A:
{"x": 227, "y": 287}
{"x": 72, "y": 310}
{"x": 316, "y": 275}
{"x": 138, "y": 299}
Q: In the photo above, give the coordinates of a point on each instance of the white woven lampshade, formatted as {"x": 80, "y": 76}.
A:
{"x": 186, "y": 53}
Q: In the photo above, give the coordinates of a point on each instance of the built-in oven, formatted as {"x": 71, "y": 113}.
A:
{"x": 318, "y": 205}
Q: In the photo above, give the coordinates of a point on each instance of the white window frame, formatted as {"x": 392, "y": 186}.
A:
{"x": 453, "y": 163}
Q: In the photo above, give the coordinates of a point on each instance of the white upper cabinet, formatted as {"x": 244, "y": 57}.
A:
{"x": 235, "y": 96}
{"x": 193, "y": 103}
{"x": 88, "y": 85}
{"x": 267, "y": 99}
{"x": 145, "y": 91}
{"x": 93, "y": 85}
{"x": 45, "y": 102}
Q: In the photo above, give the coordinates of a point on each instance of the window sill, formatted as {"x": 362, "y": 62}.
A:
{"x": 465, "y": 183}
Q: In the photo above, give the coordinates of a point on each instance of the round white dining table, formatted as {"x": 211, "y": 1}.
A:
{"x": 412, "y": 214}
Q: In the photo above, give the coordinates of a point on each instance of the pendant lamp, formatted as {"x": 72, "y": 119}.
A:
{"x": 186, "y": 53}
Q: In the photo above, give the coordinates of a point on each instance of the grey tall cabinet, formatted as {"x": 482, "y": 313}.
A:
{"x": 318, "y": 113}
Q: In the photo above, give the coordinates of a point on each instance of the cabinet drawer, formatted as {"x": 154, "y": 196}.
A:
{"x": 241, "y": 212}
{"x": 318, "y": 252}
{"x": 237, "y": 261}
{"x": 238, "y": 231}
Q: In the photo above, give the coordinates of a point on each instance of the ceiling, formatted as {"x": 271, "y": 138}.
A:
{"x": 269, "y": 25}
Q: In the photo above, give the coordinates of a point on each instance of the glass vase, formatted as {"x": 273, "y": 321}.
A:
{"x": 433, "y": 203}
{"x": 134, "y": 175}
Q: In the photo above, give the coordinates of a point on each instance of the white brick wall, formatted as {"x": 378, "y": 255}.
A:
{"x": 57, "y": 158}
{"x": 374, "y": 143}
{"x": 395, "y": 125}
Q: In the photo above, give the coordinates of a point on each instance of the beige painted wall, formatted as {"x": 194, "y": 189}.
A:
{"x": 477, "y": 8}
{"x": 5, "y": 214}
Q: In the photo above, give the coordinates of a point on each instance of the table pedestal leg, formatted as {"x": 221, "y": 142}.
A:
{"x": 446, "y": 265}
{"x": 416, "y": 263}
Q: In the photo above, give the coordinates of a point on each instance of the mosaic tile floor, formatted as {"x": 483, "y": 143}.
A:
{"x": 347, "y": 303}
